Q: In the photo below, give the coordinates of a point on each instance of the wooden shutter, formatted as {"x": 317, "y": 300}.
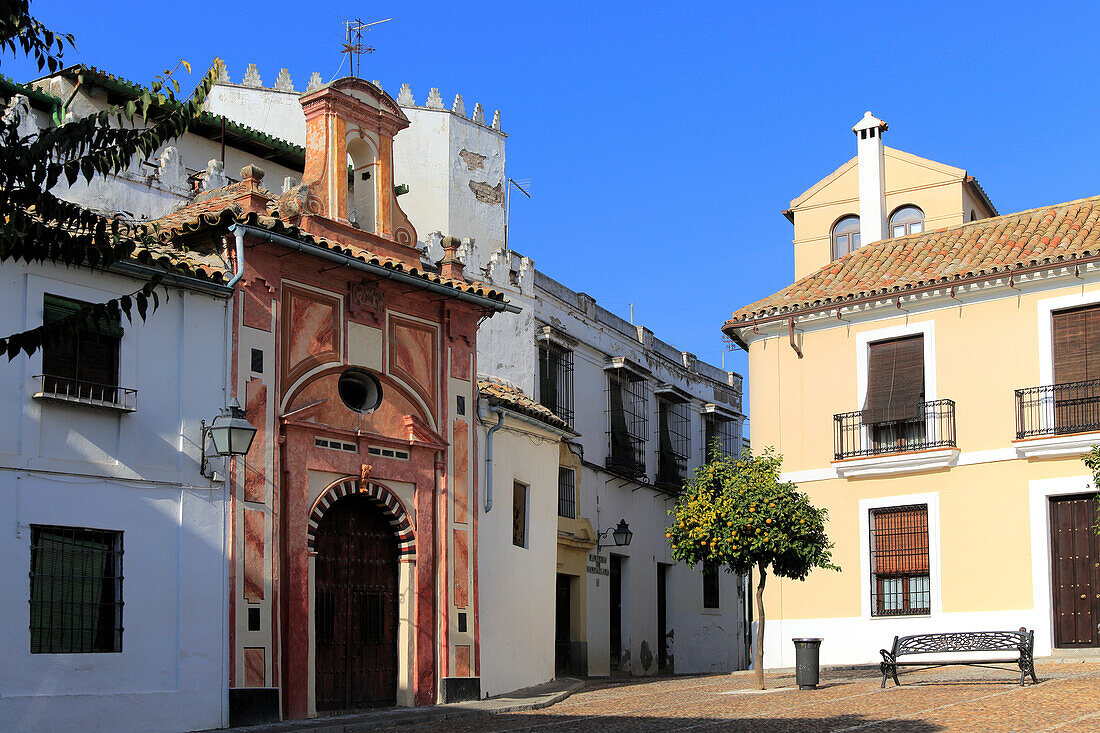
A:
{"x": 1076, "y": 345}
{"x": 901, "y": 541}
{"x": 895, "y": 380}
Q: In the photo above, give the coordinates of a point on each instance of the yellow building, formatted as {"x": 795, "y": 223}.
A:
{"x": 935, "y": 392}
{"x": 917, "y": 193}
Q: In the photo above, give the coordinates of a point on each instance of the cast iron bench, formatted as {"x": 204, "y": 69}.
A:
{"x": 958, "y": 643}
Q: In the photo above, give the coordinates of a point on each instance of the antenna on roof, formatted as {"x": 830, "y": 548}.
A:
{"x": 353, "y": 42}
{"x": 523, "y": 184}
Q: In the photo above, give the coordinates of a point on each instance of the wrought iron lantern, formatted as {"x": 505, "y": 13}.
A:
{"x": 230, "y": 432}
{"x": 620, "y": 534}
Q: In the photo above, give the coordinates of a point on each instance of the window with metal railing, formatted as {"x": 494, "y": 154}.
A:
{"x": 933, "y": 426}
{"x": 82, "y": 366}
{"x": 1058, "y": 409}
{"x": 76, "y": 590}
{"x": 556, "y": 379}
{"x": 721, "y": 431}
{"x": 567, "y": 493}
{"x": 674, "y": 441}
{"x": 900, "y": 582}
{"x": 627, "y": 421}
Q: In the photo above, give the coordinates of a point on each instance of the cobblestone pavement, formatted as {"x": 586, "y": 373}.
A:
{"x": 949, "y": 699}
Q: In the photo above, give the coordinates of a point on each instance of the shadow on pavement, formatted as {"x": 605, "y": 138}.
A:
{"x": 622, "y": 724}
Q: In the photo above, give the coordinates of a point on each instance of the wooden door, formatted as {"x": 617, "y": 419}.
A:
{"x": 1075, "y": 572}
{"x": 355, "y": 607}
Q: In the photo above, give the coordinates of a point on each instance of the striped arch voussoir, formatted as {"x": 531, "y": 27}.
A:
{"x": 380, "y": 495}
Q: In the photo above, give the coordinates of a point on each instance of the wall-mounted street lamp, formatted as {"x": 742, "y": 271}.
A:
{"x": 621, "y": 534}
{"x": 230, "y": 432}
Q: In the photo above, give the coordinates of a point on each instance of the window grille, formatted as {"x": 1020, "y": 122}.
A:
{"x": 899, "y": 561}
{"x": 674, "y": 438}
{"x": 710, "y": 586}
{"x": 519, "y": 514}
{"x": 76, "y": 590}
{"x": 556, "y": 380}
{"x": 719, "y": 428}
{"x": 567, "y": 493}
{"x": 627, "y": 421}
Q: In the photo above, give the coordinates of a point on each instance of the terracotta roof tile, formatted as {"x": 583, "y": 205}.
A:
{"x": 506, "y": 395}
{"x": 1047, "y": 235}
{"x": 219, "y": 208}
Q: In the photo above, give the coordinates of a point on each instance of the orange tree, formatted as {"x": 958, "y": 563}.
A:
{"x": 737, "y": 514}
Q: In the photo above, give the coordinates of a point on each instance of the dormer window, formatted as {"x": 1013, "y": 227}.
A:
{"x": 845, "y": 236}
{"x": 906, "y": 220}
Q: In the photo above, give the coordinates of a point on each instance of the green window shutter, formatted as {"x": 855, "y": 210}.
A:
{"x": 55, "y": 308}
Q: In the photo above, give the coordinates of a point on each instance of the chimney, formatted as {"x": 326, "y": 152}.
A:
{"x": 872, "y": 179}
{"x": 450, "y": 266}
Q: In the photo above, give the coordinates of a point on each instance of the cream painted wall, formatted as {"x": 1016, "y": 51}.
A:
{"x": 988, "y": 529}
{"x": 516, "y": 584}
{"x": 939, "y": 190}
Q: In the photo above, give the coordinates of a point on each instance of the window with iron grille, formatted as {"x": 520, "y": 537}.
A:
{"x": 567, "y": 493}
{"x": 899, "y": 561}
{"x": 626, "y": 420}
{"x": 674, "y": 440}
{"x": 519, "y": 514}
{"x": 83, "y": 364}
{"x": 724, "y": 430}
{"x": 556, "y": 379}
{"x": 76, "y": 590}
{"x": 710, "y": 586}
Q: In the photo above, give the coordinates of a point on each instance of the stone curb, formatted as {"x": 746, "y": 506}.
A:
{"x": 551, "y": 699}
{"x": 412, "y": 716}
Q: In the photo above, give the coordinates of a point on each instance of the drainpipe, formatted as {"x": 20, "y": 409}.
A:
{"x": 489, "y": 457}
{"x": 238, "y": 232}
{"x": 59, "y": 114}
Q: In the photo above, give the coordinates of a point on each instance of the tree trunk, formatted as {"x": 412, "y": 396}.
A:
{"x": 758, "y": 664}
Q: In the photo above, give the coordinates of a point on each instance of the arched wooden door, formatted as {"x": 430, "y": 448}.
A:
{"x": 355, "y": 607}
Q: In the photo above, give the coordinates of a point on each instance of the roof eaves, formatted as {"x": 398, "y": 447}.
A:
{"x": 125, "y": 86}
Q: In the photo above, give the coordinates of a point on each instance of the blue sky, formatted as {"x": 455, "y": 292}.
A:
{"x": 664, "y": 139}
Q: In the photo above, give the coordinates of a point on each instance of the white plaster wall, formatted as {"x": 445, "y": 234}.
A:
{"x": 151, "y": 191}
{"x": 517, "y": 584}
{"x": 427, "y": 157}
{"x": 139, "y": 473}
{"x": 273, "y": 111}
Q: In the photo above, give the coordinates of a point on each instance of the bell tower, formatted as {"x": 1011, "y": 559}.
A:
{"x": 350, "y": 126}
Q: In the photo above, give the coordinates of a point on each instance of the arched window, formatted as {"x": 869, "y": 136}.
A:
{"x": 845, "y": 236}
{"x": 906, "y": 220}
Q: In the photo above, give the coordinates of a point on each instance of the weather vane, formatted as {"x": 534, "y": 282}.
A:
{"x": 353, "y": 42}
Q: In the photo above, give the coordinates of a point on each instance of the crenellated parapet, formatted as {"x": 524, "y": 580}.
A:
{"x": 434, "y": 101}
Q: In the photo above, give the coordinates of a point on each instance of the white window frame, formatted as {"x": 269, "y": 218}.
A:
{"x": 1061, "y": 444}
{"x": 934, "y": 575}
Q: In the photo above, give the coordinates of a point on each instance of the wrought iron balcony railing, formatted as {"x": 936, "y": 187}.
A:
{"x": 1058, "y": 409}
{"x": 933, "y": 428}
{"x": 64, "y": 389}
{"x": 671, "y": 470}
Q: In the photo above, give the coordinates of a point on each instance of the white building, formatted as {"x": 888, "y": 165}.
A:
{"x": 114, "y": 613}
{"x": 520, "y": 447}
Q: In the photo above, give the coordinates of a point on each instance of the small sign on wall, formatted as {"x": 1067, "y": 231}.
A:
{"x": 597, "y": 564}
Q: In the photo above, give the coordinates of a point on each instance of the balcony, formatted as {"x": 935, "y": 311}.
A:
{"x": 78, "y": 392}
{"x": 1058, "y": 409}
{"x": 934, "y": 428}
{"x": 1058, "y": 419}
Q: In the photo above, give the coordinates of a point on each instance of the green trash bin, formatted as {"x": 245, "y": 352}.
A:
{"x": 806, "y": 658}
